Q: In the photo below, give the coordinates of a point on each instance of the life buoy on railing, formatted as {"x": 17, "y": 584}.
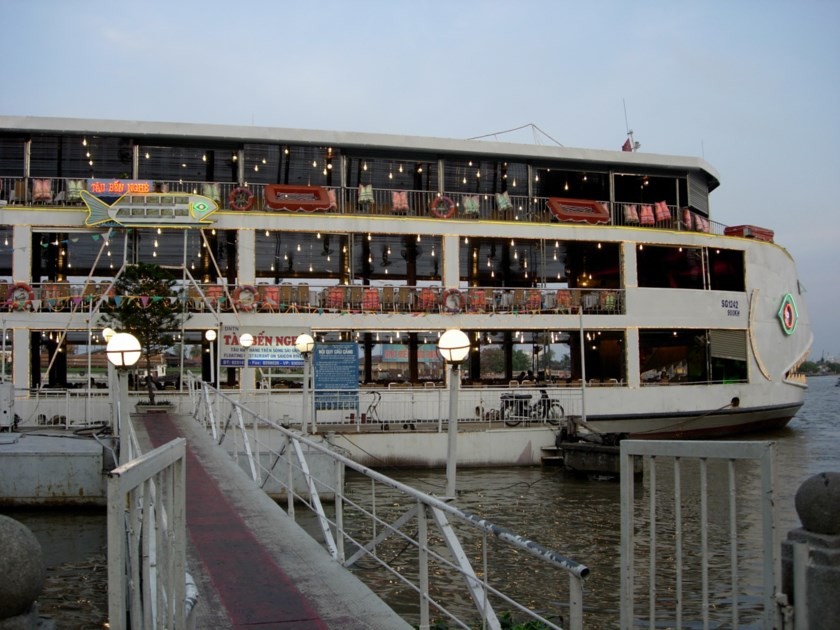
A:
{"x": 453, "y": 300}
{"x": 241, "y": 198}
{"x": 20, "y": 297}
{"x": 246, "y": 298}
{"x": 442, "y": 207}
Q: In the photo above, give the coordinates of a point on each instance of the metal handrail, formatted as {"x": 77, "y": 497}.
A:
{"x": 293, "y": 457}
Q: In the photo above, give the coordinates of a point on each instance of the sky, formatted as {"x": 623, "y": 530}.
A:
{"x": 751, "y": 86}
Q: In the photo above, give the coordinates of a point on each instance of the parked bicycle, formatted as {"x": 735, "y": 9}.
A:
{"x": 517, "y": 407}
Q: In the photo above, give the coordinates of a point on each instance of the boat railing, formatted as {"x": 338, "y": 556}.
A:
{"x": 65, "y": 408}
{"x": 437, "y": 543}
{"x": 97, "y": 295}
{"x": 366, "y": 200}
{"x": 406, "y": 406}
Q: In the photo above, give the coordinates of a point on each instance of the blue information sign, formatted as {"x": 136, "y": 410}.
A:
{"x": 336, "y": 375}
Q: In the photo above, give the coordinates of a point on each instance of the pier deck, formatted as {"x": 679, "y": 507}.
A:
{"x": 252, "y": 564}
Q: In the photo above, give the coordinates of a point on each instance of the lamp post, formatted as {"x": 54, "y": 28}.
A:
{"x": 454, "y": 346}
{"x": 123, "y": 350}
{"x": 246, "y": 340}
{"x": 210, "y": 336}
{"x": 304, "y": 344}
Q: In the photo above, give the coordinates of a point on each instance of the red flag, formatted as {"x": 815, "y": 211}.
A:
{"x": 627, "y": 146}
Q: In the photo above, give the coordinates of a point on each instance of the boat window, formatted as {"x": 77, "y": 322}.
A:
{"x": 670, "y": 267}
{"x": 673, "y": 356}
{"x": 726, "y": 270}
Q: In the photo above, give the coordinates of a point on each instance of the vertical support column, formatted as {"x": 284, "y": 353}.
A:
{"x": 246, "y": 265}
{"x": 240, "y": 167}
{"x": 22, "y": 254}
{"x": 20, "y": 357}
{"x": 632, "y": 357}
{"x": 450, "y": 276}
{"x": 135, "y": 161}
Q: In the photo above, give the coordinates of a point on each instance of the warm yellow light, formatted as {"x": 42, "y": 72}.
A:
{"x": 454, "y": 346}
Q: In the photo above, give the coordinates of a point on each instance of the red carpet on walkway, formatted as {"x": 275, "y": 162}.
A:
{"x": 254, "y": 590}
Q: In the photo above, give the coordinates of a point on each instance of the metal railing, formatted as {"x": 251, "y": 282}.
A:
{"x": 66, "y": 297}
{"x": 685, "y": 527}
{"x": 419, "y": 407}
{"x": 376, "y": 201}
{"x": 147, "y": 579}
{"x": 445, "y": 541}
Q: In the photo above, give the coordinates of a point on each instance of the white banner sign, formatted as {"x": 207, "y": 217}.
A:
{"x": 273, "y": 347}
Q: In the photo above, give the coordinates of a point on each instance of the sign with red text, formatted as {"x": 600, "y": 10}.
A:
{"x": 118, "y": 187}
{"x": 272, "y": 347}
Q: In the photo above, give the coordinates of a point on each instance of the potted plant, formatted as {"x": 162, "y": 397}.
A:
{"x": 146, "y": 305}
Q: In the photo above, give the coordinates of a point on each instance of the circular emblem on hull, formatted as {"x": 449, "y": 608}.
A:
{"x": 788, "y": 314}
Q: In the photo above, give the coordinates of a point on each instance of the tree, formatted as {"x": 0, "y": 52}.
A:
{"x": 145, "y": 306}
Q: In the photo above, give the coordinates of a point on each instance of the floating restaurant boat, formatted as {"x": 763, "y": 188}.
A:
{"x": 601, "y": 272}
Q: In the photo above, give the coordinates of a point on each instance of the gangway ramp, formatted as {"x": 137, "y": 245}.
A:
{"x": 252, "y": 564}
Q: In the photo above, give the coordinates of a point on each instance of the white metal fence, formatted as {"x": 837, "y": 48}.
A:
{"x": 147, "y": 541}
{"x": 695, "y": 539}
{"x": 446, "y": 557}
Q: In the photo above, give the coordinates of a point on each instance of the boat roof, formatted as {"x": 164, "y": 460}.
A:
{"x": 213, "y": 133}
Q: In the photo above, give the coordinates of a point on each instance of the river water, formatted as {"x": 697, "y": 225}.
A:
{"x": 576, "y": 517}
{"x": 580, "y": 518}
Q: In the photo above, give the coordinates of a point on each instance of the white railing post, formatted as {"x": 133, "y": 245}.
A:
{"x": 423, "y": 564}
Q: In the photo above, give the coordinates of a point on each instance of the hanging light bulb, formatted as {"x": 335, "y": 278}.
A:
{"x": 266, "y": 233}
{"x": 298, "y": 246}
{"x": 566, "y": 186}
{"x": 364, "y": 166}
{"x": 84, "y": 142}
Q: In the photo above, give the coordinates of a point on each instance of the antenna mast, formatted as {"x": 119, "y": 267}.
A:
{"x": 634, "y": 146}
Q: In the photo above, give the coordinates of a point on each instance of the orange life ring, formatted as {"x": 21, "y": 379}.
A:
{"x": 241, "y": 198}
{"x": 246, "y": 298}
{"x": 20, "y": 297}
{"x": 442, "y": 213}
{"x": 453, "y": 300}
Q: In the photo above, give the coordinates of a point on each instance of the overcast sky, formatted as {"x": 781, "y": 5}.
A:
{"x": 751, "y": 86}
